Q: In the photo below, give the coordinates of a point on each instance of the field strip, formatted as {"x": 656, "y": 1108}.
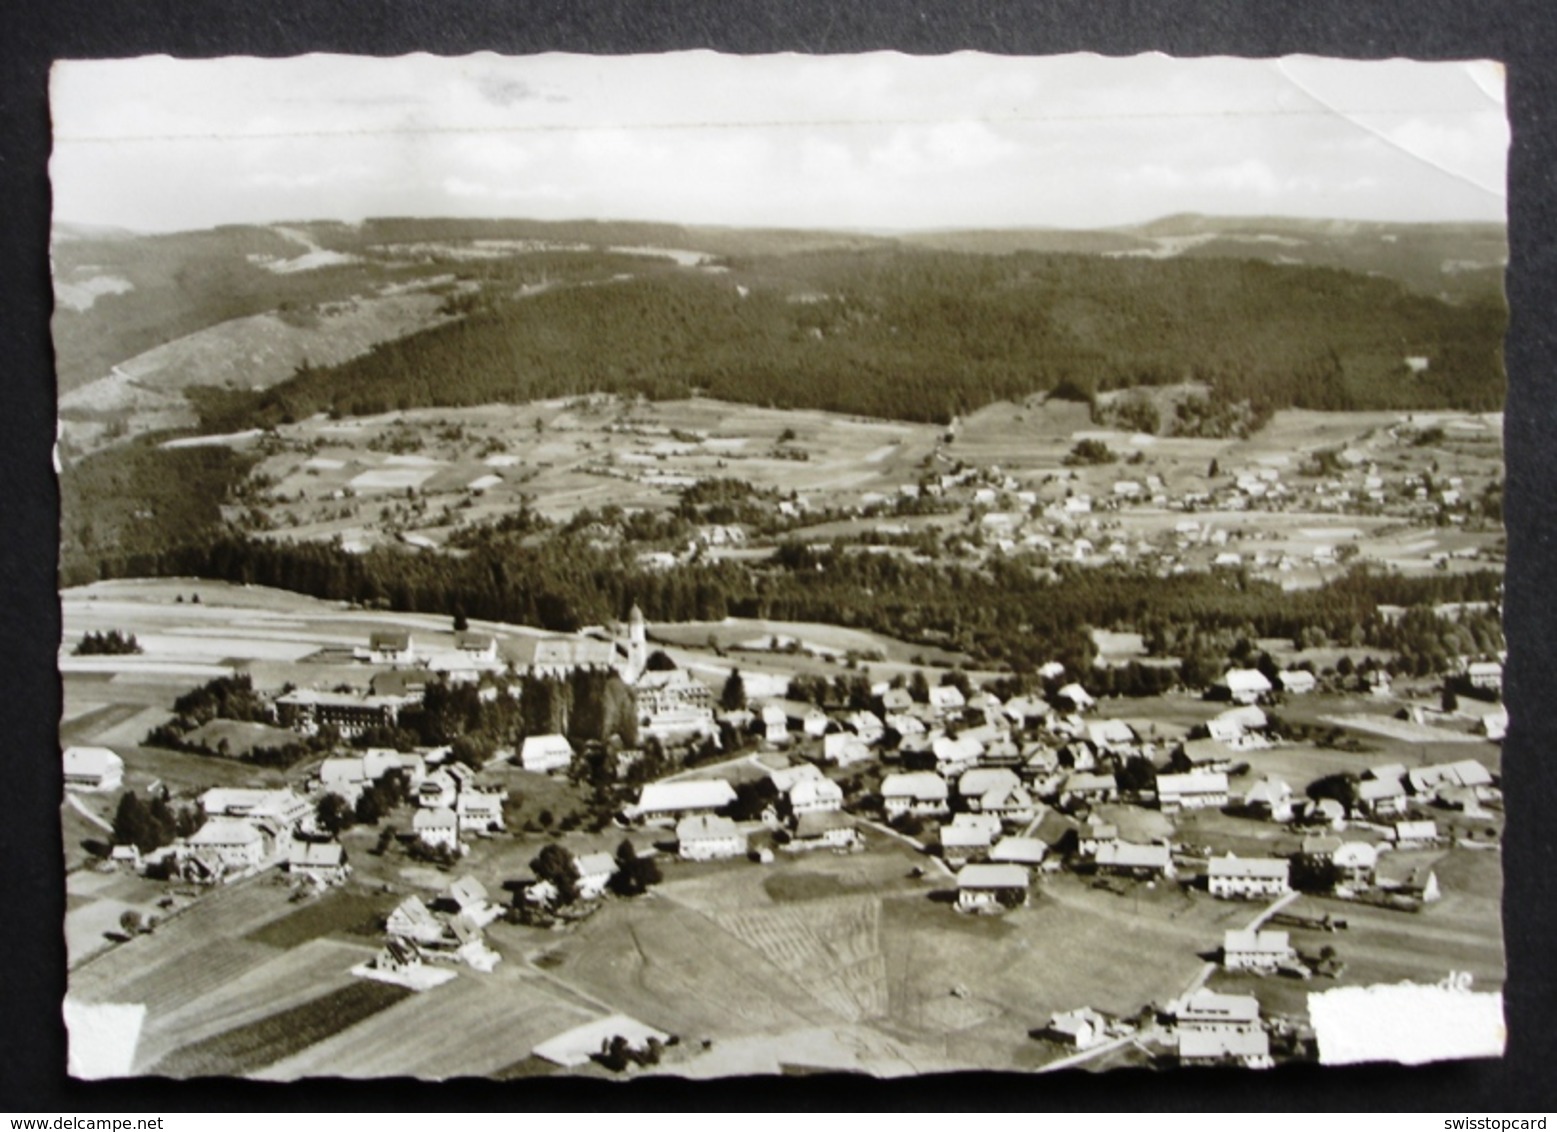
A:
{"x": 1399, "y": 729}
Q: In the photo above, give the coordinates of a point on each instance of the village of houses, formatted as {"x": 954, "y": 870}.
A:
{"x": 1034, "y": 883}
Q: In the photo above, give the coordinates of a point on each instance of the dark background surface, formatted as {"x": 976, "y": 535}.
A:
{"x": 32, "y": 978}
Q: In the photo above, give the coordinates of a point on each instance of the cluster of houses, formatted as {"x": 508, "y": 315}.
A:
{"x": 447, "y": 932}
{"x": 1202, "y": 1028}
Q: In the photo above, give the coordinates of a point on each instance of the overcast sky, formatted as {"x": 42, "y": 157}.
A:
{"x": 881, "y": 141}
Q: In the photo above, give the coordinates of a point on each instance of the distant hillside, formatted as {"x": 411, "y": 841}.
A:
{"x": 1456, "y": 262}
{"x": 926, "y": 335}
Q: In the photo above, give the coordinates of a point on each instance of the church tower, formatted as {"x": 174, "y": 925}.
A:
{"x": 637, "y": 645}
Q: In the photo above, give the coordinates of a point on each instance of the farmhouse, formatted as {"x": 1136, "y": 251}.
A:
{"x": 1247, "y": 878}
{"x": 707, "y": 837}
{"x": 1209, "y": 755}
{"x": 1250, "y": 1049}
{"x": 1297, "y": 681}
{"x": 1381, "y": 797}
{"x": 1269, "y": 798}
{"x": 224, "y": 845}
{"x": 1089, "y": 789}
{"x": 436, "y": 827}
{"x": 660, "y": 801}
{"x": 1111, "y": 734}
{"x": 1242, "y": 685}
{"x": 412, "y": 920}
{"x": 392, "y": 646}
{"x": 815, "y": 795}
{"x": 845, "y": 749}
{"x": 92, "y": 769}
{"x": 824, "y": 830}
{"x": 323, "y": 862}
{"x": 1206, "y": 1011}
{"x": 1076, "y": 697}
{"x": 1197, "y": 790}
{"x": 1430, "y": 780}
{"x": 946, "y": 698}
{"x": 991, "y": 888}
{"x": 1355, "y": 861}
{"x": 542, "y": 754}
{"x": 917, "y": 792}
{"x": 1090, "y": 835}
{"x": 1122, "y": 858}
{"x": 1254, "y": 950}
{"x": 281, "y": 806}
{"x": 953, "y": 756}
{"x": 595, "y": 871}
{"x": 968, "y": 836}
{"x": 479, "y": 811}
{"x": 1028, "y": 851}
{"x": 1083, "y": 1028}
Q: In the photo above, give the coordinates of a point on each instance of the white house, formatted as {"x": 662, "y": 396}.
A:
{"x": 707, "y": 837}
{"x": 1247, "y": 878}
{"x": 1297, "y": 681}
{"x": 991, "y": 888}
{"x": 1111, "y": 734}
{"x": 1210, "y": 755}
{"x": 1206, "y": 1011}
{"x": 92, "y": 769}
{"x": 1382, "y": 797}
{"x": 968, "y": 836}
{"x": 435, "y": 827}
{"x": 542, "y": 754}
{"x": 479, "y": 648}
{"x": 946, "y": 698}
{"x": 815, "y": 795}
{"x": 845, "y": 749}
{"x": 775, "y": 723}
{"x": 1250, "y": 1049}
{"x": 1255, "y": 950}
{"x": 393, "y": 646}
{"x": 1243, "y": 685}
{"x": 1091, "y": 835}
{"x": 1089, "y": 789}
{"x": 953, "y": 756}
{"x": 595, "y": 871}
{"x": 916, "y": 792}
{"x": 1077, "y": 696}
{"x": 479, "y": 811}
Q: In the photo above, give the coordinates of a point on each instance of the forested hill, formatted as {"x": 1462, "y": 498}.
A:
{"x": 927, "y": 334}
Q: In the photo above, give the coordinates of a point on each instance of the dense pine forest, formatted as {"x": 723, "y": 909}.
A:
{"x": 924, "y": 335}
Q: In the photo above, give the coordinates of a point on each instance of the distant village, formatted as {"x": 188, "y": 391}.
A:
{"x": 995, "y": 794}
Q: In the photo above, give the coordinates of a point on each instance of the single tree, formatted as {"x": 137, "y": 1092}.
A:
{"x": 556, "y": 865}
{"x": 333, "y": 813}
{"x": 733, "y": 696}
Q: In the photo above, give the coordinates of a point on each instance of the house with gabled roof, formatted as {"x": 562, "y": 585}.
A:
{"x": 435, "y": 827}
{"x": 1197, "y": 790}
{"x": 1249, "y": 1049}
{"x": 1028, "y": 851}
{"x": 411, "y": 919}
{"x": 991, "y": 888}
{"x": 1207, "y": 755}
{"x": 323, "y": 862}
{"x": 1207, "y": 1011}
{"x": 1243, "y": 685}
{"x": 1269, "y": 798}
{"x": 921, "y": 792}
{"x": 1082, "y": 1028}
{"x": 1256, "y": 950}
{"x": 595, "y": 871}
{"x": 968, "y": 836}
{"x": 543, "y": 754}
{"x": 1124, "y": 858}
{"x": 1248, "y": 878}
{"x": 662, "y": 801}
{"x": 824, "y": 830}
{"x": 1381, "y": 797}
{"x": 1089, "y": 789}
{"x": 815, "y": 795}
{"x": 707, "y": 837}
